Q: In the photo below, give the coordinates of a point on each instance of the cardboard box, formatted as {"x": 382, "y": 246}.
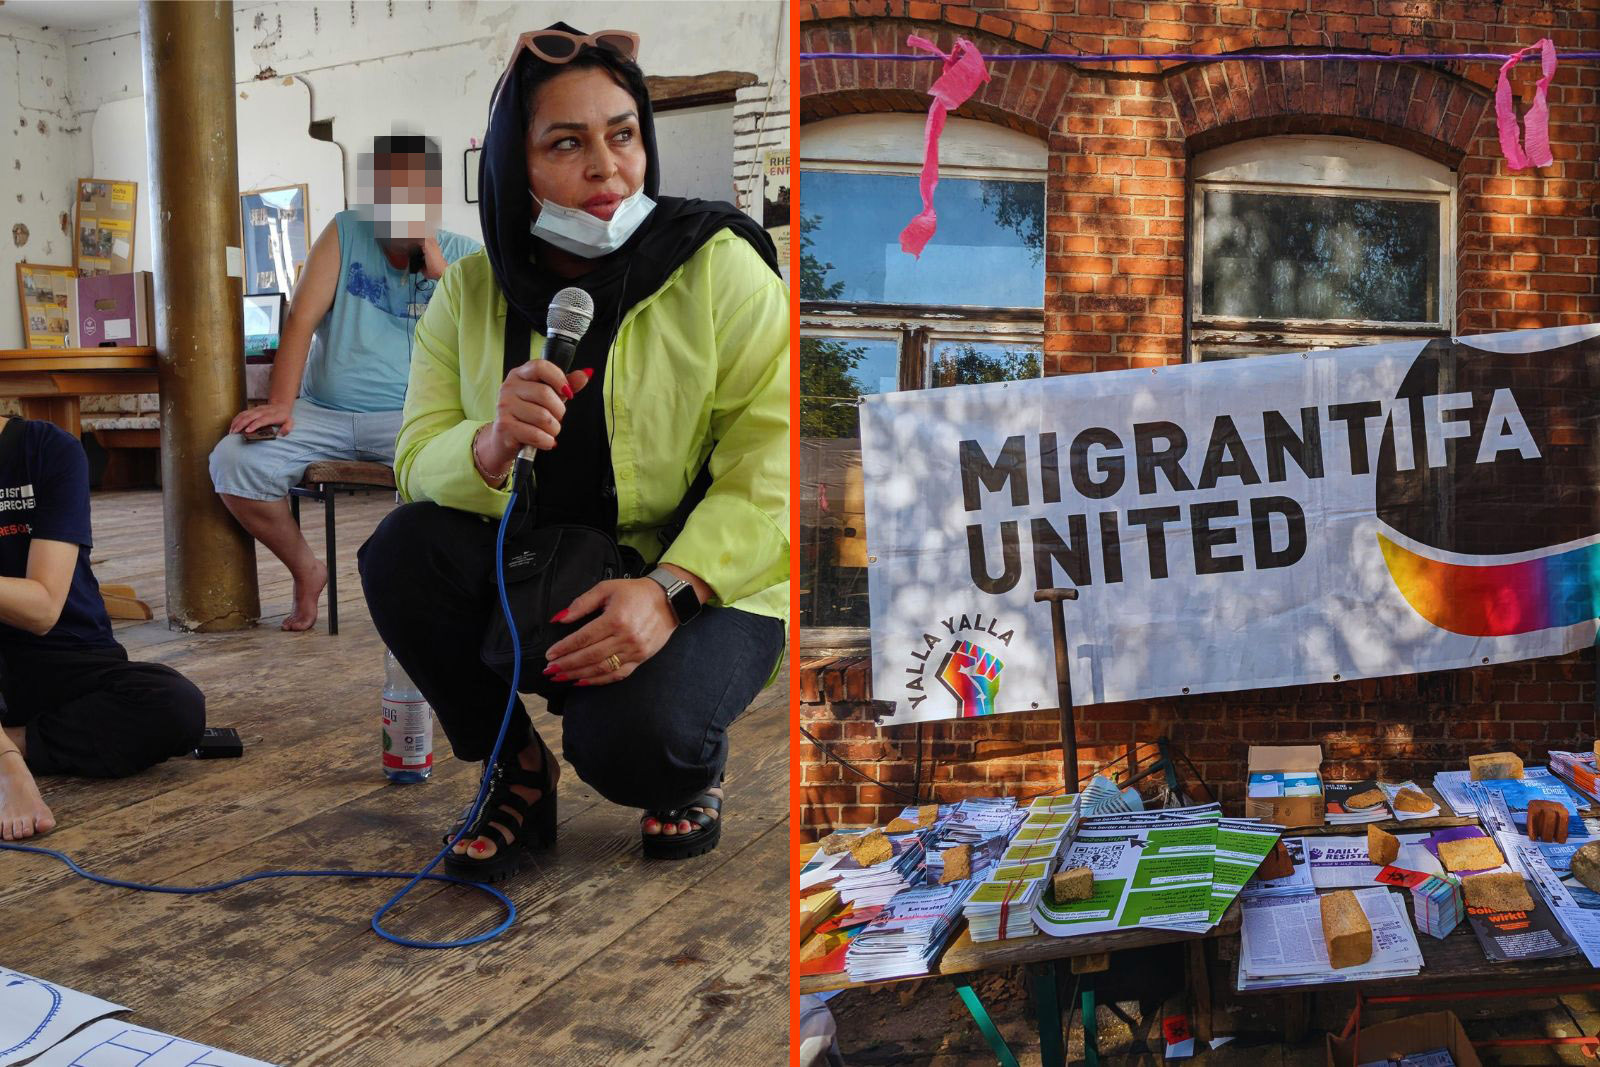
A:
{"x": 1286, "y": 811}
{"x": 1415, "y": 1033}
{"x": 116, "y": 309}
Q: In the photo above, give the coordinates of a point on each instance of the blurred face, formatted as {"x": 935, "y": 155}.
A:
{"x": 583, "y": 144}
{"x": 400, "y": 194}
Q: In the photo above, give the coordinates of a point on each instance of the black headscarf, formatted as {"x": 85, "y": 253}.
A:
{"x": 672, "y": 233}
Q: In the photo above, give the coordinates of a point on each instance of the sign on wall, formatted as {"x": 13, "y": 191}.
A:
{"x": 1271, "y": 521}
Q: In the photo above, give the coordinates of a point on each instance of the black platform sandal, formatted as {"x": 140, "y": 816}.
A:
{"x": 705, "y": 835}
{"x": 536, "y": 829}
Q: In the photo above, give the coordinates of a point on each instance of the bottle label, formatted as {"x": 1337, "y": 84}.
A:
{"x": 407, "y": 735}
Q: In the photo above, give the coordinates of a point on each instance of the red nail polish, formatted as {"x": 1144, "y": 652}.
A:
{"x": 552, "y": 669}
{"x": 559, "y": 616}
{"x": 478, "y": 846}
{"x": 558, "y": 677}
{"x": 587, "y": 370}
{"x": 566, "y": 392}
{"x": 583, "y": 681}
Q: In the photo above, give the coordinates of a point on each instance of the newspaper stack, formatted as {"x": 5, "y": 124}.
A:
{"x": 909, "y": 935}
{"x": 1578, "y": 770}
{"x": 977, "y": 819}
{"x": 1281, "y": 942}
{"x": 1002, "y": 906}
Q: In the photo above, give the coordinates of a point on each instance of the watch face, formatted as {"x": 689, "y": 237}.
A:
{"x": 685, "y": 605}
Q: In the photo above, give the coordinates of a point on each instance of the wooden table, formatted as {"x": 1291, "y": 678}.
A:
{"x": 49, "y": 381}
{"x": 1043, "y": 954}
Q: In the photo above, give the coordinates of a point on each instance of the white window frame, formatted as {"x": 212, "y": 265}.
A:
{"x": 1320, "y": 166}
{"x": 892, "y": 144}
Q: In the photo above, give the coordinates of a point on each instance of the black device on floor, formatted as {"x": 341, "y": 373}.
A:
{"x": 219, "y": 742}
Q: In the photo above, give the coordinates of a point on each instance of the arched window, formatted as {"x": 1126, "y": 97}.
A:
{"x": 875, "y": 319}
{"x": 1317, "y": 242}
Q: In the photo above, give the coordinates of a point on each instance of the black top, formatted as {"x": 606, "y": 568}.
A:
{"x": 44, "y": 494}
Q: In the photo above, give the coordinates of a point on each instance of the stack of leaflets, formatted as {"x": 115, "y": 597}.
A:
{"x": 1176, "y": 869}
{"x": 1437, "y": 902}
{"x": 1578, "y": 770}
{"x": 1281, "y": 943}
{"x": 866, "y": 887}
{"x": 1265, "y": 784}
{"x": 908, "y": 936}
{"x": 977, "y": 819}
{"x": 1355, "y": 803}
{"x": 1002, "y": 906}
{"x": 1102, "y": 797}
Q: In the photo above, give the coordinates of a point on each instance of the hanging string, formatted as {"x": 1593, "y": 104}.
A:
{"x": 1216, "y": 57}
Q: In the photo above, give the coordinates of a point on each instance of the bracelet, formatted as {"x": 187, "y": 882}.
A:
{"x": 499, "y": 482}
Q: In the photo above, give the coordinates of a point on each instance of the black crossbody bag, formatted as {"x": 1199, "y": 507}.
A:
{"x": 549, "y": 563}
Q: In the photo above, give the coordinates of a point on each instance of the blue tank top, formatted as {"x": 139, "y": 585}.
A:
{"x": 360, "y": 353}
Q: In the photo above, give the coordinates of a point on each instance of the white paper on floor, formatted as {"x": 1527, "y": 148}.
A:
{"x": 114, "y": 1043}
{"x": 35, "y": 1014}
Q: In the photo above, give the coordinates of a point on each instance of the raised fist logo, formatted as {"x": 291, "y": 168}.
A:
{"x": 971, "y": 674}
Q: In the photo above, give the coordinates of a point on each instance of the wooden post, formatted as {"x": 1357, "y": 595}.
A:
{"x": 1069, "y": 726}
{"x": 187, "y": 51}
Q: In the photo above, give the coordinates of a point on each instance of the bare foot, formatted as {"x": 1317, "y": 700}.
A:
{"x": 651, "y": 825}
{"x": 483, "y": 848}
{"x": 307, "y": 592}
{"x": 22, "y": 810}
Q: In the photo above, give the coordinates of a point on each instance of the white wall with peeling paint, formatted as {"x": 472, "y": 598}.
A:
{"x": 37, "y": 173}
{"x": 432, "y": 65}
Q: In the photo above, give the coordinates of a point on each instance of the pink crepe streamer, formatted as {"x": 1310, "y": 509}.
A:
{"x": 1537, "y": 120}
{"x": 964, "y": 71}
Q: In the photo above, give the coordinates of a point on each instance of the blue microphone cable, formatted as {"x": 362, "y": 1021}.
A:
{"x": 426, "y": 874}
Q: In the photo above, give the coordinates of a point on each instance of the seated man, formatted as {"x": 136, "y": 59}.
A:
{"x": 73, "y": 702}
{"x": 365, "y": 283}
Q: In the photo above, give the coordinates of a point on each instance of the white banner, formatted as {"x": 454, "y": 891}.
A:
{"x": 1271, "y": 521}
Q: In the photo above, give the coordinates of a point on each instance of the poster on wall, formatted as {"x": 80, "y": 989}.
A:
{"x": 48, "y": 298}
{"x": 106, "y": 213}
{"x": 1280, "y": 520}
{"x": 275, "y": 238}
{"x": 775, "y": 203}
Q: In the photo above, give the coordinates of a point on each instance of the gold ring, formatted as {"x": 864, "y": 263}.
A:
{"x": 614, "y": 661}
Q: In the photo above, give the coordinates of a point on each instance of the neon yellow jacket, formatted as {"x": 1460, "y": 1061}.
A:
{"x": 700, "y": 365}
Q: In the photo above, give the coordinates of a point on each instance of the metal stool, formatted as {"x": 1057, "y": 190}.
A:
{"x": 322, "y": 481}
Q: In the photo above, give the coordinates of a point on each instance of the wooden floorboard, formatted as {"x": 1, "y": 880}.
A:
{"x": 612, "y": 960}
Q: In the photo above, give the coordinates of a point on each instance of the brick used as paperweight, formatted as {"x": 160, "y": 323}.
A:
{"x": 1491, "y": 765}
{"x": 1382, "y": 846}
{"x": 1345, "y": 929}
{"x": 1074, "y": 883}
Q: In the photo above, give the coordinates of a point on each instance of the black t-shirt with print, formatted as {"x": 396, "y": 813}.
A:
{"x": 44, "y": 494}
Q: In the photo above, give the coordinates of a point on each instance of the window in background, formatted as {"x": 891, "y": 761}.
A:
{"x": 1318, "y": 242}
{"x": 874, "y": 319}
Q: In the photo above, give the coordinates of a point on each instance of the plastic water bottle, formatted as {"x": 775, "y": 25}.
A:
{"x": 407, "y": 726}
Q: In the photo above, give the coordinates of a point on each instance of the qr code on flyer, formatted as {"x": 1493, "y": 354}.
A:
{"x": 1101, "y": 858}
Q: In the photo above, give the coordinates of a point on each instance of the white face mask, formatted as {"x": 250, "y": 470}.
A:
{"x": 576, "y": 231}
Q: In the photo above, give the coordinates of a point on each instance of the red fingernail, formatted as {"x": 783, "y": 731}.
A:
{"x": 479, "y": 846}
{"x": 552, "y": 669}
{"x": 559, "y": 676}
{"x": 583, "y": 681}
{"x": 560, "y": 616}
{"x": 566, "y": 392}
{"x": 587, "y": 370}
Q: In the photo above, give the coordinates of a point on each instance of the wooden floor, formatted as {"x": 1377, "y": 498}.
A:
{"x": 611, "y": 961}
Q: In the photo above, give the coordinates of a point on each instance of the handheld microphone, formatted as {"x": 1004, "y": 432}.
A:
{"x": 571, "y": 311}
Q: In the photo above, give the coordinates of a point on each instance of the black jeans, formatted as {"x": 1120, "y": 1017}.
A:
{"x": 91, "y": 712}
{"x": 656, "y": 739}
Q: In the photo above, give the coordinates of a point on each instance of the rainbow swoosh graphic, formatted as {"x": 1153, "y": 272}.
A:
{"x": 1502, "y": 599}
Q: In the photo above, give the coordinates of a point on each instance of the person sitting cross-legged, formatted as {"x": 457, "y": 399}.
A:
{"x": 74, "y": 704}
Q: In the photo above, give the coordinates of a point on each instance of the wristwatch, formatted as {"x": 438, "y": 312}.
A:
{"x": 680, "y": 594}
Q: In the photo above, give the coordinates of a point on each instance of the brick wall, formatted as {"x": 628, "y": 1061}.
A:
{"x": 1120, "y": 141}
